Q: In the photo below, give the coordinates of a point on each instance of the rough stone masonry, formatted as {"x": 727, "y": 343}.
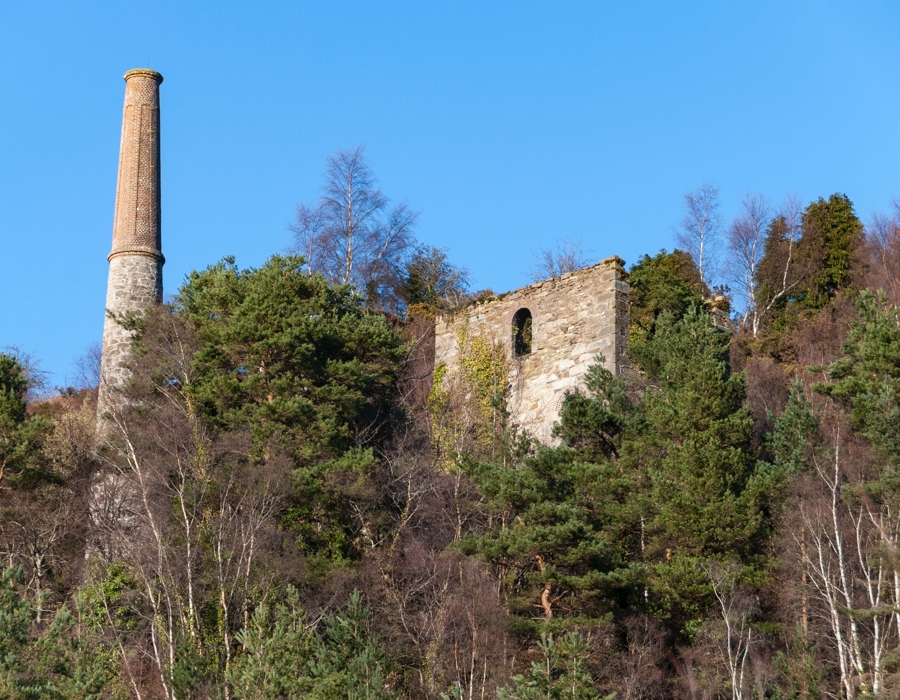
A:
{"x": 136, "y": 259}
{"x": 551, "y": 332}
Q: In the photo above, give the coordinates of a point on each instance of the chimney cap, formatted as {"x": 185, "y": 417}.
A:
{"x": 145, "y": 73}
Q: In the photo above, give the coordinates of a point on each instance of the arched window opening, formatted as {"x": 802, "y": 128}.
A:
{"x": 521, "y": 329}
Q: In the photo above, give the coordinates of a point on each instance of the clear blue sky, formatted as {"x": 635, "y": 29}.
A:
{"x": 507, "y": 124}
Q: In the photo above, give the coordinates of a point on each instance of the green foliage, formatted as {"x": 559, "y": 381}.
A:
{"x": 467, "y": 408}
{"x": 795, "y": 426}
{"x": 778, "y": 269}
{"x": 438, "y": 405}
{"x": 564, "y": 533}
{"x": 194, "y": 669}
{"x": 432, "y": 281}
{"x": 484, "y": 371}
{"x": 21, "y": 460}
{"x": 594, "y": 423}
{"x": 831, "y": 235}
{"x": 274, "y": 649}
{"x": 104, "y": 596}
{"x": 666, "y": 282}
{"x": 51, "y": 662}
{"x": 700, "y": 433}
{"x": 560, "y": 675}
{"x": 15, "y": 621}
{"x": 799, "y": 674}
{"x": 281, "y": 656}
{"x": 13, "y": 385}
{"x": 867, "y": 379}
{"x": 320, "y": 513}
{"x": 305, "y": 368}
{"x": 289, "y": 355}
{"x": 347, "y": 659}
{"x": 799, "y": 278}
{"x": 695, "y": 447}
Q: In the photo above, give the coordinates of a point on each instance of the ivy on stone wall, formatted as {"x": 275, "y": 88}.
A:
{"x": 467, "y": 407}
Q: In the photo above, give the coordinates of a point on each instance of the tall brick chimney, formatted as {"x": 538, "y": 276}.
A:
{"x": 136, "y": 260}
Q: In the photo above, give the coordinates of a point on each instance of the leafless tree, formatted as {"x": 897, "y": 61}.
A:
{"x": 446, "y": 617}
{"x": 87, "y": 367}
{"x": 637, "y": 673}
{"x": 353, "y": 235}
{"x": 188, "y": 511}
{"x": 550, "y": 263}
{"x": 41, "y": 518}
{"x": 699, "y": 233}
{"x": 883, "y": 239}
{"x": 732, "y": 632}
{"x": 42, "y": 526}
{"x": 746, "y": 240}
{"x": 34, "y": 528}
{"x": 844, "y": 540}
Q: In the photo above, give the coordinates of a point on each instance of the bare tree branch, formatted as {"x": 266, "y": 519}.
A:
{"x": 353, "y": 235}
{"x": 700, "y": 231}
{"x": 746, "y": 241}
{"x": 551, "y": 263}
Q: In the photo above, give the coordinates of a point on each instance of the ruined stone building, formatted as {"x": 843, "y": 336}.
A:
{"x": 550, "y": 333}
{"x": 136, "y": 259}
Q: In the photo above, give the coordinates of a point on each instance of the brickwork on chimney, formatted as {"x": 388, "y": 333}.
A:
{"x": 136, "y": 259}
{"x": 137, "y": 220}
{"x": 574, "y": 318}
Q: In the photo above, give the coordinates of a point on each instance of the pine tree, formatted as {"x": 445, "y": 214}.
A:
{"x": 282, "y": 656}
{"x": 801, "y": 277}
{"x": 348, "y": 662}
{"x": 56, "y": 661}
{"x": 287, "y": 353}
{"x": 867, "y": 379}
{"x": 21, "y": 435}
{"x": 560, "y": 675}
{"x": 832, "y": 233}
{"x": 275, "y": 647}
{"x": 665, "y": 282}
{"x": 695, "y": 447}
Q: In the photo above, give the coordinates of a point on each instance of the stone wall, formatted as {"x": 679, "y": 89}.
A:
{"x": 574, "y": 318}
{"x": 135, "y": 283}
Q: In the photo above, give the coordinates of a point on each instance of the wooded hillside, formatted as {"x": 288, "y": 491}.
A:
{"x": 287, "y": 503}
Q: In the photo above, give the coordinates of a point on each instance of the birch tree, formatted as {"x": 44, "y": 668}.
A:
{"x": 186, "y": 512}
{"x": 846, "y": 525}
{"x": 746, "y": 239}
{"x": 776, "y": 274}
{"x": 699, "y": 232}
{"x": 883, "y": 238}
{"x": 354, "y": 234}
{"x": 731, "y": 628}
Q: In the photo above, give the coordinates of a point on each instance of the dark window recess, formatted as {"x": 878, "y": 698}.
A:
{"x": 522, "y": 332}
